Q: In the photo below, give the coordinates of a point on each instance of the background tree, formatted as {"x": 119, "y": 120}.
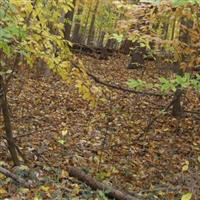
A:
{"x": 172, "y": 50}
{"x": 68, "y": 21}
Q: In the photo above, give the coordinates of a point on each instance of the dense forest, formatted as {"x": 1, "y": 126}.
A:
{"x": 100, "y": 99}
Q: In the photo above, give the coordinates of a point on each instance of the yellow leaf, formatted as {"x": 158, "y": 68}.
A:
{"x": 45, "y": 188}
{"x": 37, "y": 197}
{"x": 64, "y": 174}
{"x": 23, "y": 190}
{"x": 3, "y": 192}
{"x": 187, "y": 196}
{"x": 64, "y": 132}
{"x": 76, "y": 189}
{"x": 161, "y": 193}
{"x": 2, "y": 176}
{"x": 185, "y": 166}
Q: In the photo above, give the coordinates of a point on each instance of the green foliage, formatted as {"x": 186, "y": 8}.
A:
{"x": 11, "y": 32}
{"x": 119, "y": 38}
{"x": 138, "y": 84}
{"x": 106, "y": 17}
{"x": 167, "y": 85}
{"x": 174, "y": 2}
{"x": 183, "y": 2}
{"x": 175, "y": 35}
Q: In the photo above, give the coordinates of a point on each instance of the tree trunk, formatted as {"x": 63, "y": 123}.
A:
{"x": 84, "y": 38}
{"x": 68, "y": 22}
{"x": 92, "y": 25}
{"x": 111, "y": 43}
{"x": 184, "y": 31}
{"x": 101, "y": 39}
{"x": 177, "y": 107}
{"x": 76, "y": 37}
{"x": 7, "y": 123}
{"x": 177, "y": 110}
{"x": 126, "y": 46}
{"x": 137, "y": 56}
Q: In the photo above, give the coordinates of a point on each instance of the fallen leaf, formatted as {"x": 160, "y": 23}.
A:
{"x": 187, "y": 196}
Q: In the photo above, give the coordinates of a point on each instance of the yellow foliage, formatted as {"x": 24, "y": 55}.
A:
{"x": 43, "y": 22}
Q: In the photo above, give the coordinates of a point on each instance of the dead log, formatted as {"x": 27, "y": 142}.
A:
{"x": 96, "y": 52}
{"x": 19, "y": 180}
{"x": 96, "y": 185}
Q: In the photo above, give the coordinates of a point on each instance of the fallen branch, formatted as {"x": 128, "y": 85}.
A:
{"x": 94, "y": 184}
{"x": 116, "y": 87}
{"x": 121, "y": 88}
{"x": 14, "y": 177}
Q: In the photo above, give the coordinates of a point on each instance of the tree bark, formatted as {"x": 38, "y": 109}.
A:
{"x": 7, "y": 123}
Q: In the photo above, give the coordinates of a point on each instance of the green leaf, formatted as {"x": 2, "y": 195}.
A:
{"x": 38, "y": 197}
{"x": 61, "y": 142}
{"x": 117, "y": 37}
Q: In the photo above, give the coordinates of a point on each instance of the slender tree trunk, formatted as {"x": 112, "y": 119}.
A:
{"x": 76, "y": 37}
{"x": 68, "y": 22}
{"x": 92, "y": 24}
{"x": 165, "y": 30}
{"x": 184, "y": 34}
{"x": 177, "y": 110}
{"x": 111, "y": 43}
{"x": 7, "y": 123}
{"x": 86, "y": 23}
{"x": 125, "y": 46}
{"x": 101, "y": 38}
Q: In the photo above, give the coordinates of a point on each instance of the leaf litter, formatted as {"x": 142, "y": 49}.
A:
{"x": 55, "y": 127}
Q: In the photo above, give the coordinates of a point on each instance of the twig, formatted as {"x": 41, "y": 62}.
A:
{"x": 158, "y": 189}
{"x": 160, "y": 114}
{"x": 22, "y": 135}
{"x": 192, "y": 112}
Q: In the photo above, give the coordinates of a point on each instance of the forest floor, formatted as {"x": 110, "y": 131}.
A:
{"x": 55, "y": 127}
